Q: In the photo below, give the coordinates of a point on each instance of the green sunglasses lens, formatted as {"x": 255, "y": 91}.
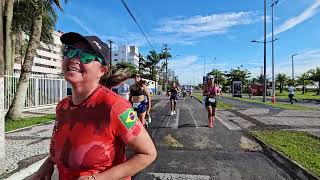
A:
{"x": 87, "y": 57}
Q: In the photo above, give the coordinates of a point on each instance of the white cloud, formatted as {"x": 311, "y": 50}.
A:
{"x": 185, "y": 30}
{"x": 81, "y": 24}
{"x": 294, "y": 21}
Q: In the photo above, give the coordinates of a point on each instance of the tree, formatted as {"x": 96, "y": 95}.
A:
{"x": 282, "y": 79}
{"x": 40, "y": 9}
{"x": 152, "y": 60}
{"x": 124, "y": 65}
{"x": 315, "y": 76}
{"x": 142, "y": 62}
{"x": 8, "y": 36}
{"x": 2, "y": 130}
{"x": 239, "y": 74}
{"x": 219, "y": 77}
{"x": 304, "y": 80}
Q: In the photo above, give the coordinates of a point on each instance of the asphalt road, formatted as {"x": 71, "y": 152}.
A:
{"x": 188, "y": 148}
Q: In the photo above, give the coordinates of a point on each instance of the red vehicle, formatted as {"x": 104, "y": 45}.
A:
{"x": 256, "y": 89}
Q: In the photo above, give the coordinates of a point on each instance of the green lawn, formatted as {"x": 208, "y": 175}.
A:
{"x": 221, "y": 104}
{"x": 299, "y": 146}
{"x": 281, "y": 105}
{"x": 25, "y": 122}
{"x": 299, "y": 95}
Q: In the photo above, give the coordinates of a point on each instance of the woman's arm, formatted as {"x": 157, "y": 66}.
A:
{"x": 145, "y": 154}
{"x": 45, "y": 171}
{"x": 148, "y": 95}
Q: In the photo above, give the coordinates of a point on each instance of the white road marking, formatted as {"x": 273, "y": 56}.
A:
{"x": 226, "y": 123}
{"x": 174, "y": 122}
{"x": 194, "y": 120}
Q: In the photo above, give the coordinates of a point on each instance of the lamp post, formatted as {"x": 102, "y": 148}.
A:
{"x": 264, "y": 69}
{"x": 273, "y": 80}
{"x": 293, "y": 65}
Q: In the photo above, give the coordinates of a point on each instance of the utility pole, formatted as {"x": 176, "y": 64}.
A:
{"x": 110, "y": 45}
{"x": 293, "y": 65}
{"x": 273, "y": 80}
{"x": 2, "y": 129}
{"x": 265, "y": 53}
{"x": 165, "y": 49}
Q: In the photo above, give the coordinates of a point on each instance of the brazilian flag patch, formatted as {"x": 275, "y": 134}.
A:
{"x": 128, "y": 118}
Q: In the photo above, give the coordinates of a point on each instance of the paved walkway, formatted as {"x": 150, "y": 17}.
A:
{"x": 188, "y": 149}
{"x": 258, "y": 116}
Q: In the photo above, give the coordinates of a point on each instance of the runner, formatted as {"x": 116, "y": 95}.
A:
{"x": 123, "y": 90}
{"x": 94, "y": 125}
{"x": 211, "y": 91}
{"x": 291, "y": 90}
{"x": 190, "y": 90}
{"x": 140, "y": 98}
{"x": 173, "y": 93}
{"x": 184, "y": 91}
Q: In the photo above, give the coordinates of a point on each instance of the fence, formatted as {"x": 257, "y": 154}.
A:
{"x": 42, "y": 92}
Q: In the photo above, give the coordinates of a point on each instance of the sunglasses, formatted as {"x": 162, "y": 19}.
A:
{"x": 85, "y": 56}
{"x": 137, "y": 75}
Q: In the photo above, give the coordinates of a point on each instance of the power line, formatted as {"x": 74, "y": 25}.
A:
{"x": 127, "y": 8}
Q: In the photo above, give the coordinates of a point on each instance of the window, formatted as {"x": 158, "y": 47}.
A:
{"x": 115, "y": 59}
{"x": 115, "y": 54}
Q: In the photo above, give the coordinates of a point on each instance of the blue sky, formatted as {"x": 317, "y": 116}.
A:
{"x": 217, "y": 31}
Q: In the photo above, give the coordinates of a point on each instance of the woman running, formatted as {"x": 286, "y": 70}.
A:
{"x": 211, "y": 91}
{"x": 173, "y": 93}
{"x": 94, "y": 125}
{"x": 140, "y": 98}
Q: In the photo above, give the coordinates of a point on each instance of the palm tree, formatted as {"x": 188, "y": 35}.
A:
{"x": 152, "y": 60}
{"x": 41, "y": 8}
{"x": 282, "y": 79}
{"x": 8, "y": 36}
{"x": 304, "y": 80}
{"x": 315, "y": 76}
{"x": 239, "y": 74}
{"x": 142, "y": 62}
{"x": 165, "y": 55}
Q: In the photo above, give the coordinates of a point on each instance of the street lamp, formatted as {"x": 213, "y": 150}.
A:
{"x": 293, "y": 65}
{"x": 273, "y": 81}
{"x": 264, "y": 68}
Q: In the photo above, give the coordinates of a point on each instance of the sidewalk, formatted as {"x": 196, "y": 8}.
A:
{"x": 28, "y": 145}
{"x": 260, "y": 117}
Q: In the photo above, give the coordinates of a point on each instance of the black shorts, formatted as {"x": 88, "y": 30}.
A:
{"x": 174, "y": 97}
{"x": 212, "y": 104}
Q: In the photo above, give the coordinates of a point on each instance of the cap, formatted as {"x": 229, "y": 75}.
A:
{"x": 210, "y": 77}
{"x": 99, "y": 47}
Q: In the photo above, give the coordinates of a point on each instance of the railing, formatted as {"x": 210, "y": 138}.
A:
{"x": 42, "y": 92}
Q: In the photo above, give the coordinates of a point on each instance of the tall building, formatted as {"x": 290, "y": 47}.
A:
{"x": 126, "y": 53}
{"x": 48, "y": 60}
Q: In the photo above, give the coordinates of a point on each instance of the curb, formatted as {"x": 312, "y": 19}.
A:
{"x": 293, "y": 168}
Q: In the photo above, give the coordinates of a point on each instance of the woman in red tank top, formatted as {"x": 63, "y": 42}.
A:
{"x": 94, "y": 125}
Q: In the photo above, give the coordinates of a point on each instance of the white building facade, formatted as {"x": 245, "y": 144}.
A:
{"x": 48, "y": 60}
{"x": 126, "y": 53}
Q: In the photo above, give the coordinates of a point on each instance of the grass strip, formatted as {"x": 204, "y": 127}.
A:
{"x": 11, "y": 125}
{"x": 280, "y": 105}
{"x": 299, "y": 146}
